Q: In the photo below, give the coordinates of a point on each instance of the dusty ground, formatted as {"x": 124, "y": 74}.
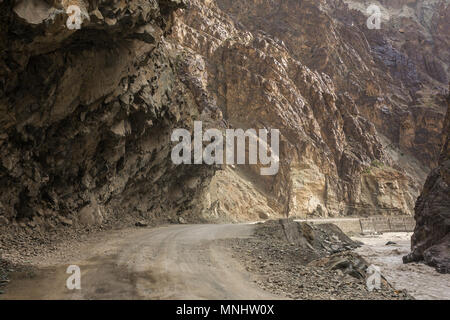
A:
{"x": 420, "y": 280}
{"x": 171, "y": 262}
{"x": 22, "y": 248}
{"x": 25, "y": 246}
{"x": 243, "y": 261}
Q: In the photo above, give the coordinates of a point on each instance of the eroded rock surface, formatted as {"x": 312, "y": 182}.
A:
{"x": 360, "y": 111}
{"x": 86, "y": 115}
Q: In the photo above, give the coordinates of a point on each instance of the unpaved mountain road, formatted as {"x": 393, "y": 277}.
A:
{"x": 171, "y": 262}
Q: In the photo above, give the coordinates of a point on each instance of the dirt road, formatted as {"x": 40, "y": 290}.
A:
{"x": 172, "y": 262}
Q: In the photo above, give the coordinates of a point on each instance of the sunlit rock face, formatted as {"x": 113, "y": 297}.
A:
{"x": 86, "y": 115}
{"x": 361, "y": 111}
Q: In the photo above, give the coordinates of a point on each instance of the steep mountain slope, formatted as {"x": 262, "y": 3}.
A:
{"x": 360, "y": 111}
{"x": 86, "y": 115}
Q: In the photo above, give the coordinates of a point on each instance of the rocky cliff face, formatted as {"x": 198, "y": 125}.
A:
{"x": 360, "y": 111}
{"x": 86, "y": 115}
{"x": 431, "y": 239}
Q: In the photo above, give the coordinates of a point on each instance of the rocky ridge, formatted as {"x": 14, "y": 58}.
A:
{"x": 354, "y": 106}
